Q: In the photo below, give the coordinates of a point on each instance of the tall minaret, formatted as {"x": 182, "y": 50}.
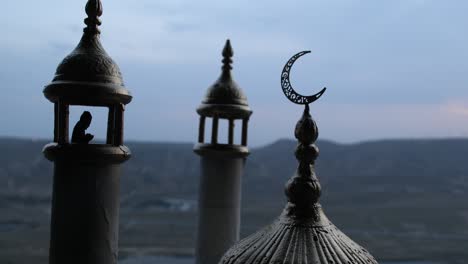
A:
{"x": 222, "y": 166}
{"x": 85, "y": 198}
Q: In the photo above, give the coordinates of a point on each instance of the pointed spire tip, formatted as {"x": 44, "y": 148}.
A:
{"x": 227, "y": 55}
{"x": 227, "y": 50}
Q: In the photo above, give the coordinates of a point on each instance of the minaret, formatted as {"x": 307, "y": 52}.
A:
{"x": 222, "y": 165}
{"x": 302, "y": 233}
{"x": 85, "y": 198}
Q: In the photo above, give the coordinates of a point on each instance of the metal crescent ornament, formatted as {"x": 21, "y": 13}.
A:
{"x": 289, "y": 91}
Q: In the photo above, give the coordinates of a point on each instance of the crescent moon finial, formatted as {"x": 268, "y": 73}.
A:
{"x": 289, "y": 91}
{"x": 302, "y": 190}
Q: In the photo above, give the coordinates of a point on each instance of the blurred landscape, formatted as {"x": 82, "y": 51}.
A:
{"x": 404, "y": 200}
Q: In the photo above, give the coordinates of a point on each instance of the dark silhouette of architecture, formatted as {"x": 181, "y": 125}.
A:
{"x": 302, "y": 234}
{"x": 79, "y": 131}
{"x": 85, "y": 199}
{"x": 222, "y": 165}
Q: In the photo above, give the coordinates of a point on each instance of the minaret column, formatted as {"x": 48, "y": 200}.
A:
{"x": 86, "y": 180}
{"x": 85, "y": 203}
{"x": 219, "y": 201}
{"x": 222, "y": 165}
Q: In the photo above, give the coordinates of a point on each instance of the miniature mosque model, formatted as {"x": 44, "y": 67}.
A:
{"x": 84, "y": 228}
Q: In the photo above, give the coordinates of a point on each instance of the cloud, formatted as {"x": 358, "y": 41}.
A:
{"x": 457, "y": 108}
{"x": 148, "y": 31}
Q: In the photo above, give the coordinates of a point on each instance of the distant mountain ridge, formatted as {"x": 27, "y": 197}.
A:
{"x": 437, "y": 165}
{"x": 401, "y": 199}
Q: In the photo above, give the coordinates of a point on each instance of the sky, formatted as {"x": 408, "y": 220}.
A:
{"x": 393, "y": 69}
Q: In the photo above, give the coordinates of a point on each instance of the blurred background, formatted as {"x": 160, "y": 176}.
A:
{"x": 392, "y": 122}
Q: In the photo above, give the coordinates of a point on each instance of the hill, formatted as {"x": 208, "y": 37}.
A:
{"x": 402, "y": 199}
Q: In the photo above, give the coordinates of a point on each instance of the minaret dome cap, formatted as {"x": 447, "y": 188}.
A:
{"x": 88, "y": 75}
{"x": 225, "y": 98}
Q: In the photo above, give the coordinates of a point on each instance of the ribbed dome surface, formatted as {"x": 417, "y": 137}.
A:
{"x": 289, "y": 241}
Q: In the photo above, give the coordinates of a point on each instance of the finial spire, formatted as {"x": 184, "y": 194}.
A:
{"x": 94, "y": 11}
{"x": 227, "y": 55}
{"x": 303, "y": 189}
{"x": 306, "y": 129}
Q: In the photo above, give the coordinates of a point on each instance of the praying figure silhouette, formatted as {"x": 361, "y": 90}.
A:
{"x": 79, "y": 136}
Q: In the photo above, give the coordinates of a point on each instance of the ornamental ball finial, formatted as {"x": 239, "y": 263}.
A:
{"x": 306, "y": 129}
{"x": 94, "y": 11}
{"x": 303, "y": 189}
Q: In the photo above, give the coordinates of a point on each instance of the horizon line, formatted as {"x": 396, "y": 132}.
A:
{"x": 100, "y": 140}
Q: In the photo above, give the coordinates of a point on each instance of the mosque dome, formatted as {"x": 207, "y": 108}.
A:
{"x": 302, "y": 234}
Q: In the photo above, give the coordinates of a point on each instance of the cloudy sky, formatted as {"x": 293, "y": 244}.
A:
{"x": 393, "y": 69}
